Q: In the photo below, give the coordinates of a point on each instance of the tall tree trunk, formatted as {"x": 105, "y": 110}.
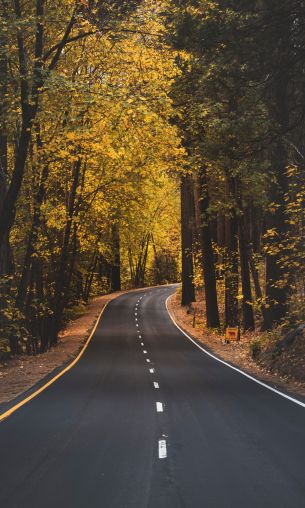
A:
{"x": 116, "y": 264}
{"x": 187, "y": 217}
{"x": 277, "y": 276}
{"x": 158, "y": 271}
{"x": 33, "y": 235}
{"x": 257, "y": 286}
{"x": 231, "y": 261}
{"x": 140, "y": 270}
{"x": 247, "y": 302}
{"x": 6, "y": 264}
{"x": 29, "y": 107}
{"x": 6, "y": 258}
{"x": 90, "y": 275}
{"x": 61, "y": 278}
{"x": 209, "y": 275}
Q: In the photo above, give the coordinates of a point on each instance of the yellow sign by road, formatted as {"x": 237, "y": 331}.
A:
{"x": 232, "y": 333}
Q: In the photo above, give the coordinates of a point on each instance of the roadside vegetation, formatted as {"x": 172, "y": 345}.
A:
{"x": 240, "y": 112}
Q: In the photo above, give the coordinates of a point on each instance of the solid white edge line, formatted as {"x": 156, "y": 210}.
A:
{"x": 159, "y": 407}
{"x": 162, "y": 449}
{"x": 274, "y": 390}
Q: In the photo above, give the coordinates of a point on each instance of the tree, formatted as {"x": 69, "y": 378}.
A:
{"x": 187, "y": 218}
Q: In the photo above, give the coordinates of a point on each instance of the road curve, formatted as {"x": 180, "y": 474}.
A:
{"x": 147, "y": 420}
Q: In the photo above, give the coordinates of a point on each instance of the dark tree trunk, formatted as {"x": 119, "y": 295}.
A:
{"x": 258, "y": 290}
{"x": 33, "y": 235}
{"x": 104, "y": 270}
{"x": 158, "y": 270}
{"x": 231, "y": 261}
{"x": 71, "y": 264}
{"x": 277, "y": 275}
{"x": 90, "y": 276}
{"x": 29, "y": 106}
{"x": 116, "y": 264}
{"x": 6, "y": 258}
{"x": 61, "y": 278}
{"x": 211, "y": 301}
{"x": 6, "y": 264}
{"x": 187, "y": 218}
{"x": 247, "y": 302}
{"x": 139, "y": 272}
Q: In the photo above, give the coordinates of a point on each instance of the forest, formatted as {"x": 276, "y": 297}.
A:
{"x": 148, "y": 142}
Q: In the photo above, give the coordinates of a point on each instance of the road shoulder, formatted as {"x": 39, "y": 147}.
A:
{"x": 236, "y": 354}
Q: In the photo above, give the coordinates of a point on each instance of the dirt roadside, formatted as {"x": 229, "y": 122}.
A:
{"x": 21, "y": 373}
{"x": 236, "y": 353}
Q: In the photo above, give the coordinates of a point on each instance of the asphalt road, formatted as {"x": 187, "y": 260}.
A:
{"x": 157, "y": 425}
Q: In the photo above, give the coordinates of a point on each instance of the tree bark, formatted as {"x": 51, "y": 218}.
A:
{"x": 208, "y": 263}
{"x": 247, "y": 301}
{"x": 6, "y": 262}
{"x": 61, "y": 278}
{"x": 278, "y": 276}
{"x": 231, "y": 261}
{"x": 116, "y": 264}
{"x": 187, "y": 217}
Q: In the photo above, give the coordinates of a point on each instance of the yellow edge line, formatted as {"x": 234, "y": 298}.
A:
{"x": 12, "y": 410}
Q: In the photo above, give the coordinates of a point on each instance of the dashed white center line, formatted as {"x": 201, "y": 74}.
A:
{"x": 156, "y": 385}
{"x": 142, "y": 344}
{"x": 159, "y": 407}
{"x": 144, "y": 351}
{"x": 137, "y": 324}
{"x": 152, "y": 371}
{"x": 148, "y": 360}
{"x": 140, "y": 336}
{"x": 162, "y": 449}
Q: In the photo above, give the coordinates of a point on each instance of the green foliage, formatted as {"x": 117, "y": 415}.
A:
{"x": 240, "y": 114}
